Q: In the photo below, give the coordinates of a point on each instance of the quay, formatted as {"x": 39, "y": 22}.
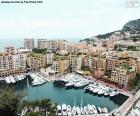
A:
{"x": 127, "y": 105}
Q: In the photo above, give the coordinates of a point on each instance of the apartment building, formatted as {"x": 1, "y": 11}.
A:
{"x": 12, "y": 63}
{"x": 42, "y": 43}
{"x": 35, "y": 61}
{"x": 49, "y": 58}
{"x": 9, "y": 49}
{"x": 29, "y": 43}
{"x": 99, "y": 66}
{"x": 60, "y": 66}
{"x": 121, "y": 75}
{"x": 88, "y": 62}
{"x": 19, "y": 60}
{"x": 76, "y": 62}
{"x": 6, "y": 61}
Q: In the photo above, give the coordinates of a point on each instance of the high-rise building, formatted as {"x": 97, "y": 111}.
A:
{"x": 29, "y": 43}
{"x": 42, "y": 43}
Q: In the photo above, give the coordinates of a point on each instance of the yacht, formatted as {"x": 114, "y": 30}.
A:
{"x": 90, "y": 109}
{"x": 100, "y": 110}
{"x": 82, "y": 111}
{"x": 78, "y": 111}
{"x": 7, "y": 80}
{"x": 96, "y": 90}
{"x": 64, "y": 110}
{"x": 113, "y": 94}
{"x": 74, "y": 111}
{"x": 101, "y": 92}
{"x": 59, "y": 111}
{"x": 86, "y": 110}
{"x": 40, "y": 82}
{"x": 12, "y": 79}
{"x": 69, "y": 113}
{"x": 94, "y": 109}
{"x": 69, "y": 85}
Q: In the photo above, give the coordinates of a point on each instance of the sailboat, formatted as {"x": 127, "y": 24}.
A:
{"x": 74, "y": 108}
{"x": 81, "y": 108}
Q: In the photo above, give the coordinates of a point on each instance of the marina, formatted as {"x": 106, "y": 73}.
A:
{"x": 89, "y": 85}
{"x": 80, "y": 95}
{"x": 72, "y": 97}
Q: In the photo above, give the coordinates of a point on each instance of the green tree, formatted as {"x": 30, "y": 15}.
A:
{"x": 10, "y": 100}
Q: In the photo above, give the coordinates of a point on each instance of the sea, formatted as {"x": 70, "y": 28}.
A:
{"x": 61, "y": 95}
{"x": 17, "y": 43}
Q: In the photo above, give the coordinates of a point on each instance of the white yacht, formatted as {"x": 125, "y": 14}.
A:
{"x": 78, "y": 111}
{"x": 69, "y": 112}
{"x": 59, "y": 111}
{"x": 101, "y": 92}
{"x": 7, "y": 80}
{"x": 64, "y": 110}
{"x": 94, "y": 109}
{"x": 12, "y": 79}
{"x": 82, "y": 111}
{"x": 100, "y": 110}
{"x": 86, "y": 110}
{"x": 90, "y": 109}
{"x": 69, "y": 84}
{"x": 74, "y": 111}
{"x": 114, "y": 93}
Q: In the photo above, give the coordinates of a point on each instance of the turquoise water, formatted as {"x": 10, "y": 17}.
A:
{"x": 60, "y": 95}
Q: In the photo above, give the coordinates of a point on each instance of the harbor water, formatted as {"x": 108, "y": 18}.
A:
{"x": 61, "y": 95}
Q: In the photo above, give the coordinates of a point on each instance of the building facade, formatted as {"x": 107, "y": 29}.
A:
{"x": 29, "y": 43}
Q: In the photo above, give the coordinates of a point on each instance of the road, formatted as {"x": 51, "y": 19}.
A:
{"x": 127, "y": 105}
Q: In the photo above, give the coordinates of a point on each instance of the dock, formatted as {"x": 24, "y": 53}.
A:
{"x": 127, "y": 105}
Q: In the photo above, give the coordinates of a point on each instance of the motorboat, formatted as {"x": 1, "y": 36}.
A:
{"x": 74, "y": 111}
{"x": 100, "y": 110}
{"x": 94, "y": 109}
{"x": 114, "y": 94}
{"x": 86, "y": 110}
{"x": 59, "y": 111}
{"x": 69, "y": 112}
{"x": 64, "y": 110}
{"x": 82, "y": 111}
{"x": 78, "y": 111}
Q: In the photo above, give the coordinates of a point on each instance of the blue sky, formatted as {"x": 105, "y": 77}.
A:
{"x": 64, "y": 18}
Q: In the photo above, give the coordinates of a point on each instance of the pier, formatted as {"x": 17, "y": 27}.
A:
{"x": 126, "y": 106}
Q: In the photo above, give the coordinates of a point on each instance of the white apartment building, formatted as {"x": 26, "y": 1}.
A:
{"x": 19, "y": 61}
{"x": 55, "y": 66}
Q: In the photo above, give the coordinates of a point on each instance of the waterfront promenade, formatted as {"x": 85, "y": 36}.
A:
{"x": 125, "y": 108}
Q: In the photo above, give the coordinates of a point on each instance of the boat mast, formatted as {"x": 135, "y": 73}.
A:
{"x": 81, "y": 101}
